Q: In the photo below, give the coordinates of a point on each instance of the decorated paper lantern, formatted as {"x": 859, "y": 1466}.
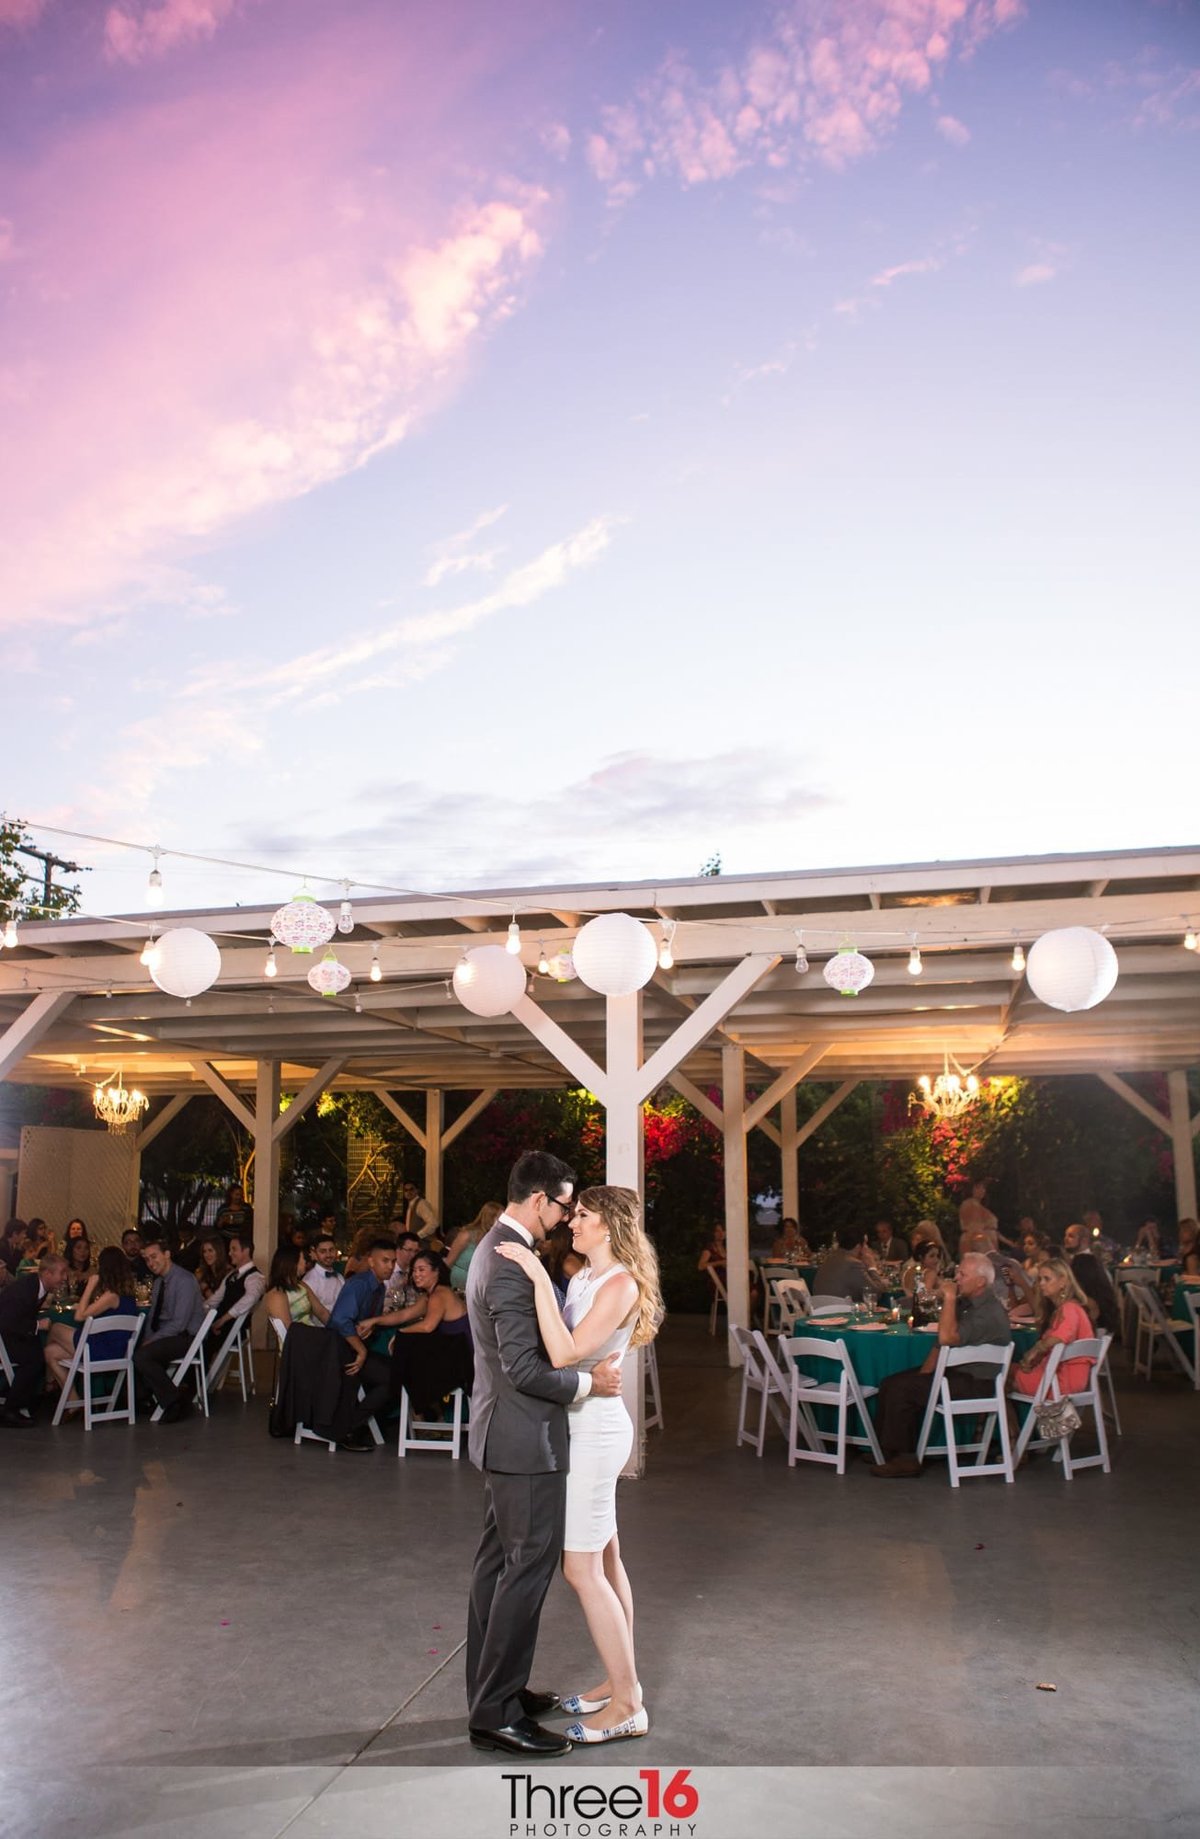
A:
{"x": 488, "y": 981}
{"x": 848, "y": 971}
{"x": 614, "y": 954}
{"x": 188, "y": 961}
{"x": 562, "y": 967}
{"x": 329, "y": 977}
{"x": 1072, "y": 968}
{"x": 303, "y": 924}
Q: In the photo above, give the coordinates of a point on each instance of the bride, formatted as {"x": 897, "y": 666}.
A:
{"x": 613, "y": 1303}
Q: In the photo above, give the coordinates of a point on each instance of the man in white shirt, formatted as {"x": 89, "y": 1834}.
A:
{"x": 321, "y": 1279}
{"x": 242, "y": 1290}
{"x": 419, "y": 1216}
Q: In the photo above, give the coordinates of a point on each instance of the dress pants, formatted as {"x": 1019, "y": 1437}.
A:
{"x": 523, "y": 1524}
{"x": 151, "y": 1360}
{"x": 900, "y": 1406}
{"x": 375, "y": 1378}
{"x": 29, "y": 1374}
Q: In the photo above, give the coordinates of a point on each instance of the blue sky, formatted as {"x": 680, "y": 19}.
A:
{"x": 544, "y": 442}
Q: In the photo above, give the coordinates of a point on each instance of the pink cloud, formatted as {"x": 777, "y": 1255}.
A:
{"x": 827, "y": 83}
{"x": 142, "y": 29}
{"x": 924, "y": 265}
{"x": 1034, "y": 275}
{"x": 953, "y": 130}
{"x": 226, "y": 298}
{"x": 21, "y": 13}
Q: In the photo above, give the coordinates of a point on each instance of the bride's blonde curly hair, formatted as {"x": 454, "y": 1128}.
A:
{"x": 621, "y": 1211}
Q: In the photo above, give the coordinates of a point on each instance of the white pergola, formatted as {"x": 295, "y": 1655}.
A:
{"x": 731, "y": 1013}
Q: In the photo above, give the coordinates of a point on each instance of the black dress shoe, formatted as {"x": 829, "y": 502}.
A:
{"x": 12, "y": 1420}
{"x": 178, "y": 1409}
{"x": 539, "y": 1704}
{"x": 522, "y": 1738}
{"x": 357, "y": 1443}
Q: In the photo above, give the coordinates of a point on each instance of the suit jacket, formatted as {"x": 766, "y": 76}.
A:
{"x": 19, "y": 1312}
{"x": 518, "y": 1418}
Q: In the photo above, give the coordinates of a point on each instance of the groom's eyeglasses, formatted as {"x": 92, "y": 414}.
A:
{"x": 564, "y": 1206}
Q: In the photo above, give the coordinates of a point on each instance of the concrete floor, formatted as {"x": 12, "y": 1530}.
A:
{"x": 205, "y": 1632}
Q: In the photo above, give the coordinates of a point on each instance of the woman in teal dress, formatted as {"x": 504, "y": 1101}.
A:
{"x": 288, "y": 1297}
{"x": 461, "y": 1249}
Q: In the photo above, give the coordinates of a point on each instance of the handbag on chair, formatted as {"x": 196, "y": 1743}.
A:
{"x": 1057, "y": 1419}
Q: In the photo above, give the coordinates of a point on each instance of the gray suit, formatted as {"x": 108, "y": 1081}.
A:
{"x": 518, "y": 1437}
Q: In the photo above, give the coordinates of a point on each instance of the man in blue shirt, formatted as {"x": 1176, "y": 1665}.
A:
{"x": 360, "y": 1300}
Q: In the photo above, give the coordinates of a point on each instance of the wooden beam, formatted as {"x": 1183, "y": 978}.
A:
{"x": 226, "y": 1094}
{"x": 1181, "y": 1143}
{"x": 813, "y": 1124}
{"x": 789, "y": 1078}
{"x": 562, "y": 1047}
{"x": 287, "y": 1120}
{"x": 700, "y": 1101}
{"x": 397, "y": 1110}
{"x": 454, "y": 1131}
{"x": 701, "y": 1022}
{"x": 161, "y": 1119}
{"x": 1116, "y": 1084}
{"x": 30, "y": 1026}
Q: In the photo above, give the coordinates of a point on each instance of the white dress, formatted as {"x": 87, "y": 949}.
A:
{"x": 600, "y": 1428}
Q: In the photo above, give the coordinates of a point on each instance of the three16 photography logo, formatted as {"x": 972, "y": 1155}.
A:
{"x": 657, "y": 1806}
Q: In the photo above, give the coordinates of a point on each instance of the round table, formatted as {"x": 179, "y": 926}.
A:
{"x": 1184, "y": 1287}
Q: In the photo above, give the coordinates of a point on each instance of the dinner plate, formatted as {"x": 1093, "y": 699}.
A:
{"x": 926, "y": 1328}
{"x": 872, "y": 1328}
{"x": 830, "y": 1321}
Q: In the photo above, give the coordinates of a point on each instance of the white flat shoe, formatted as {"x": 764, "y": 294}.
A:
{"x": 580, "y": 1707}
{"x": 636, "y": 1726}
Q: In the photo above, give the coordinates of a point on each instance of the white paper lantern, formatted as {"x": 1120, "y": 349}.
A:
{"x": 1072, "y": 968}
{"x": 329, "y": 977}
{"x": 488, "y": 980}
{"x": 848, "y": 971}
{"x": 188, "y": 962}
{"x": 303, "y": 924}
{"x": 614, "y": 954}
{"x": 562, "y": 967}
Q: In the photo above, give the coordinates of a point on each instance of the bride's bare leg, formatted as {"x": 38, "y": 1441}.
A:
{"x": 609, "y": 1628}
{"x": 617, "y": 1576}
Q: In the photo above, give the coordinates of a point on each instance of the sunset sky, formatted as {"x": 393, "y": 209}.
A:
{"x": 486, "y": 443}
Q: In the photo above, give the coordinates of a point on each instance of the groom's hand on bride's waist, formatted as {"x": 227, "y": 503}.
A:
{"x": 606, "y": 1378}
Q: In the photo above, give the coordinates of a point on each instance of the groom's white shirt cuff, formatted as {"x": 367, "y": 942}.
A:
{"x": 506, "y": 1219}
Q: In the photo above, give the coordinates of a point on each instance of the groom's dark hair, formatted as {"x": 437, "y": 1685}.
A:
{"x": 537, "y": 1172}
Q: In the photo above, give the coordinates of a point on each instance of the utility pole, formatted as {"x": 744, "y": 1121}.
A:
{"x": 49, "y": 863}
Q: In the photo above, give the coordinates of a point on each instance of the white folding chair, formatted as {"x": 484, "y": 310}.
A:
{"x": 193, "y": 1358}
{"x": 1086, "y": 1399}
{"x": 990, "y": 1406}
{"x": 791, "y": 1294}
{"x": 85, "y": 1366}
{"x": 845, "y": 1394}
{"x": 720, "y": 1297}
{"x": 6, "y": 1365}
{"x": 1191, "y": 1302}
{"x": 1027, "y": 1437}
{"x": 771, "y": 1272}
{"x": 1153, "y": 1326}
{"x": 760, "y": 1380}
{"x": 435, "y": 1436}
{"x": 234, "y": 1348}
{"x": 652, "y": 1419}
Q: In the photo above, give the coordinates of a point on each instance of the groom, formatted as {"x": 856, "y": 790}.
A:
{"x": 518, "y": 1437}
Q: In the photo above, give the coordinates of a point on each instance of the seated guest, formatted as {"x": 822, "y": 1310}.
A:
{"x": 926, "y": 1268}
{"x": 1064, "y": 1318}
{"x": 131, "y": 1245}
{"x": 288, "y": 1296}
{"x": 235, "y": 1215}
{"x": 402, "y": 1292}
{"x": 789, "y": 1247}
{"x": 1035, "y": 1249}
{"x": 13, "y": 1241}
{"x": 176, "y": 1312}
{"x": 108, "y": 1292}
{"x": 358, "y": 1307}
{"x": 461, "y": 1248}
{"x": 360, "y": 1247}
{"x": 78, "y": 1254}
{"x": 76, "y": 1229}
{"x": 890, "y": 1248}
{"x": 39, "y": 1244}
{"x": 21, "y": 1307}
{"x": 1149, "y": 1239}
{"x": 714, "y": 1253}
{"x": 1189, "y": 1248}
{"x": 1103, "y": 1303}
{"x": 320, "y": 1276}
{"x": 433, "y": 1357}
{"x": 972, "y": 1316}
{"x": 1074, "y": 1239}
{"x": 843, "y": 1271}
{"x": 242, "y": 1290}
{"x": 214, "y": 1266}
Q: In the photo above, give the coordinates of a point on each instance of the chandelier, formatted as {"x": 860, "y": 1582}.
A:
{"x": 949, "y": 1094}
{"x": 116, "y": 1107}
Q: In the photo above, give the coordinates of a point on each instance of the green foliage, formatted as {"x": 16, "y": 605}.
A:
{"x": 201, "y": 1152}
{"x": 22, "y": 889}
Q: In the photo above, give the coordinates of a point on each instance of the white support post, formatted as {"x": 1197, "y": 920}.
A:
{"x": 701, "y": 1022}
{"x": 560, "y": 1044}
{"x": 1182, "y": 1143}
{"x": 790, "y": 1159}
{"x": 266, "y": 1160}
{"x": 737, "y": 1205}
{"x": 434, "y": 1114}
{"x": 624, "y": 1167}
{"x": 699, "y": 1101}
{"x": 25, "y": 1033}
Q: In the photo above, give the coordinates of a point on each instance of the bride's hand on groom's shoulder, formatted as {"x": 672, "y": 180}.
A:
{"x": 529, "y": 1261}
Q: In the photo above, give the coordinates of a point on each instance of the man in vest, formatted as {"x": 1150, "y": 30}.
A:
{"x": 242, "y": 1290}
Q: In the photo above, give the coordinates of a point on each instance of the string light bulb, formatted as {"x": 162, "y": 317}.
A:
{"x": 801, "y": 956}
{"x": 10, "y": 932}
{"x": 666, "y": 957}
{"x": 915, "y": 967}
{"x": 270, "y": 968}
{"x": 154, "y": 883}
{"x": 357, "y": 1003}
{"x": 1189, "y": 939}
{"x": 543, "y": 960}
{"x": 151, "y": 952}
{"x": 346, "y": 912}
{"x": 1018, "y": 957}
{"x": 512, "y": 943}
{"x": 376, "y": 967}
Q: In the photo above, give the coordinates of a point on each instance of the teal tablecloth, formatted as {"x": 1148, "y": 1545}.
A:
{"x": 1184, "y": 1286}
{"x": 876, "y": 1353}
